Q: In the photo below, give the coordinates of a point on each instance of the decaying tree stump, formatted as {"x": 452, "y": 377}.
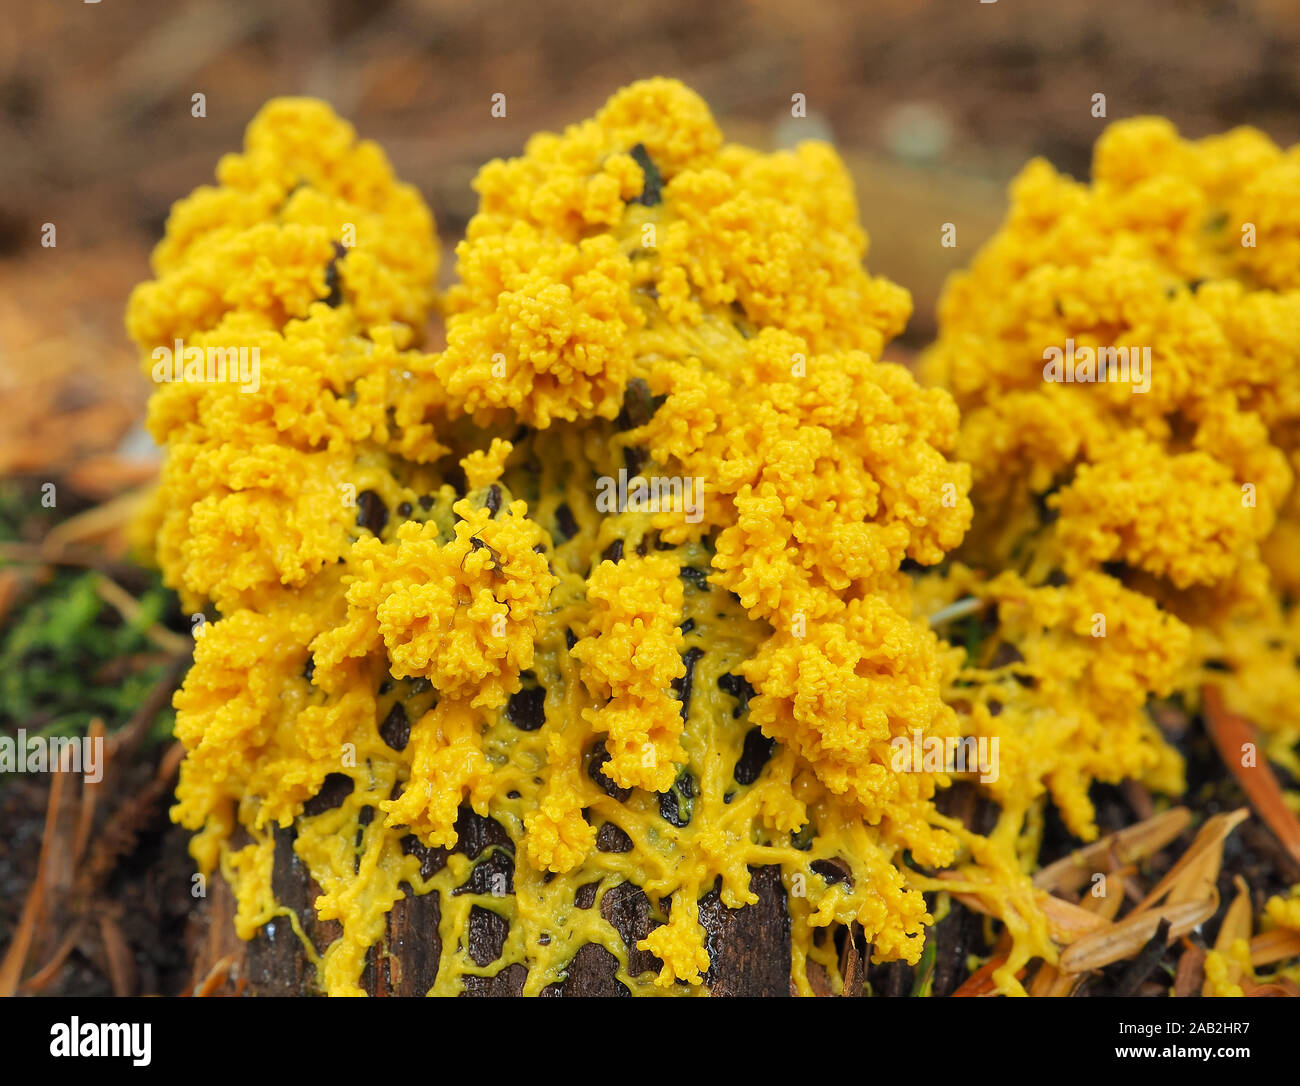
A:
{"x": 749, "y": 948}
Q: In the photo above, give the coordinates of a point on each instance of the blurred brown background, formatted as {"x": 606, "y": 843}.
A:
{"x": 935, "y": 103}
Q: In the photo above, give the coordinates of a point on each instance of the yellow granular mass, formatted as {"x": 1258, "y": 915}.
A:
{"x": 1284, "y": 911}
{"x": 679, "y": 944}
{"x": 557, "y": 835}
{"x": 1062, "y": 684}
{"x": 830, "y": 468}
{"x": 483, "y": 467}
{"x": 1123, "y": 353}
{"x": 448, "y": 767}
{"x": 619, "y": 569}
{"x": 1231, "y": 972}
{"x": 311, "y": 262}
{"x": 629, "y": 659}
{"x": 304, "y": 192}
{"x": 458, "y": 613}
{"x": 1224, "y": 970}
{"x": 547, "y": 339}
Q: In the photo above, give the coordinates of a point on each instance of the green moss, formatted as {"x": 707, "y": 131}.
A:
{"x": 67, "y": 656}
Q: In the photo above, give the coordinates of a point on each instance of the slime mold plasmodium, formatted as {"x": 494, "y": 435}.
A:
{"x": 421, "y": 599}
{"x": 1229, "y": 966}
{"x": 1130, "y": 543}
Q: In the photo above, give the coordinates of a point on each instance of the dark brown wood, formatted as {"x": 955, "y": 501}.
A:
{"x": 749, "y": 947}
